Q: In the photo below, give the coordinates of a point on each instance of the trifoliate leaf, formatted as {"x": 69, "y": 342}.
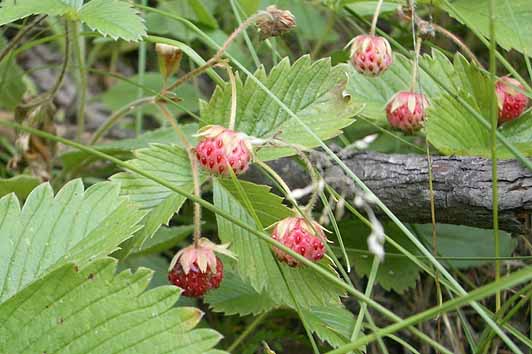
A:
{"x": 94, "y": 310}
{"x": 312, "y": 90}
{"x": 76, "y": 225}
{"x": 113, "y": 18}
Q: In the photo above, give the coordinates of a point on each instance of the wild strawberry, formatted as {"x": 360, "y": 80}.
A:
{"x": 371, "y": 55}
{"x": 297, "y": 234}
{"x": 220, "y": 149}
{"x": 511, "y": 101}
{"x": 407, "y": 110}
{"x": 196, "y": 269}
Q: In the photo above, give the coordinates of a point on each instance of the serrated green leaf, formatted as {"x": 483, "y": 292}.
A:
{"x": 313, "y": 90}
{"x": 16, "y": 10}
{"x": 97, "y": 311}
{"x": 113, "y": 18}
{"x": 75, "y": 226}
{"x": 396, "y": 272}
{"x": 465, "y": 241}
{"x": 454, "y": 131}
{"x": 333, "y": 324}
{"x": 166, "y": 161}
{"x": 513, "y": 27}
{"x": 256, "y": 263}
{"x": 234, "y": 296}
{"x": 21, "y": 185}
{"x": 12, "y": 86}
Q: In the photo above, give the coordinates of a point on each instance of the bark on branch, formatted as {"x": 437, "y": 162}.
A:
{"x": 462, "y": 187}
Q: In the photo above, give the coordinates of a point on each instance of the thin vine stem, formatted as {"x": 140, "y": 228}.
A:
{"x": 216, "y": 58}
{"x": 445, "y": 32}
{"x": 252, "y": 50}
{"x": 141, "y": 71}
{"x": 493, "y": 119}
{"x": 279, "y": 180}
{"x": 115, "y": 117}
{"x": 249, "y": 329}
{"x": 79, "y": 54}
{"x": 59, "y": 81}
{"x": 194, "y": 168}
{"x": 232, "y": 80}
{"x": 20, "y": 34}
{"x": 375, "y": 17}
{"x": 413, "y": 82}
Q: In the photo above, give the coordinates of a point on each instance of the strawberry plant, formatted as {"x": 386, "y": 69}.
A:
{"x": 255, "y": 176}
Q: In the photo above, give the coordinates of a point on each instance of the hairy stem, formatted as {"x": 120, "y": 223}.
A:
{"x": 375, "y": 17}
{"x": 413, "y": 82}
{"x": 232, "y": 80}
{"x": 141, "y": 70}
{"x": 194, "y": 167}
{"x": 79, "y": 53}
{"x": 115, "y": 117}
{"x": 216, "y": 58}
{"x": 279, "y": 180}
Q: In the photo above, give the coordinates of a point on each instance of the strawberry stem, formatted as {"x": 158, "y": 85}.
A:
{"x": 232, "y": 79}
{"x": 445, "y": 32}
{"x": 416, "y": 65}
{"x": 194, "y": 168}
{"x": 216, "y": 58}
{"x": 280, "y": 181}
{"x": 375, "y": 17}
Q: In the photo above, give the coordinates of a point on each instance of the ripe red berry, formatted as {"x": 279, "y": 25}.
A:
{"x": 196, "y": 283}
{"x": 220, "y": 149}
{"x": 371, "y": 55}
{"x": 407, "y": 110}
{"x": 196, "y": 269}
{"x": 297, "y": 234}
{"x": 511, "y": 101}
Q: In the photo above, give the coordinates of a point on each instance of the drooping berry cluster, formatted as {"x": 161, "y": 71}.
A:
{"x": 196, "y": 269}
{"x": 512, "y": 103}
{"x": 406, "y": 111}
{"x": 371, "y": 55}
{"x": 297, "y": 234}
{"x": 220, "y": 149}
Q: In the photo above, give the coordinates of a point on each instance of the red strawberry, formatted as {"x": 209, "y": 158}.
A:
{"x": 297, "y": 234}
{"x": 511, "y": 101}
{"x": 407, "y": 110}
{"x": 371, "y": 55}
{"x": 220, "y": 149}
{"x": 196, "y": 269}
